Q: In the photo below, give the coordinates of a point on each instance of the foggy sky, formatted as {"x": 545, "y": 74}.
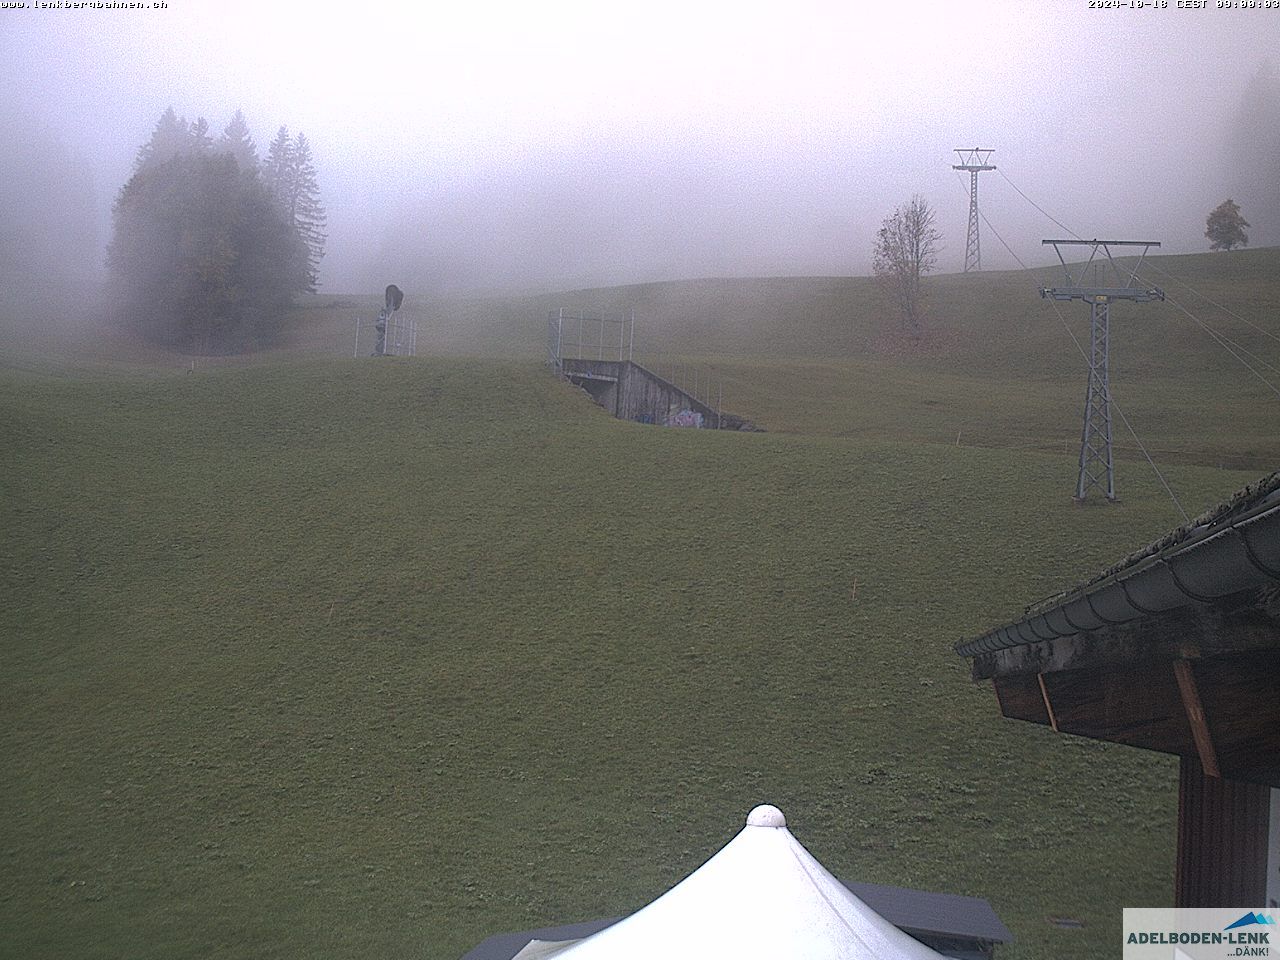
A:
{"x": 513, "y": 146}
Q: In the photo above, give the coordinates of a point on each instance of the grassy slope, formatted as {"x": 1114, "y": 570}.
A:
{"x": 338, "y": 658}
{"x": 289, "y": 676}
{"x": 821, "y": 356}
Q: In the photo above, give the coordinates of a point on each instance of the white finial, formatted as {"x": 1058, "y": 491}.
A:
{"x": 766, "y": 815}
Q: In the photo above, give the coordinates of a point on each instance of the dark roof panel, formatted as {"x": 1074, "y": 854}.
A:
{"x": 948, "y": 914}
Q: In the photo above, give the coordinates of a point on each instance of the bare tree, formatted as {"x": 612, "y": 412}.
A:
{"x": 906, "y": 249}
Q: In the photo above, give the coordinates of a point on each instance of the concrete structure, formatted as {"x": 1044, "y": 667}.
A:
{"x": 588, "y": 352}
{"x": 631, "y": 392}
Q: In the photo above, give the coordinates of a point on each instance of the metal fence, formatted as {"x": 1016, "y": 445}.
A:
{"x": 388, "y": 336}
{"x": 702, "y": 381}
{"x": 580, "y": 337}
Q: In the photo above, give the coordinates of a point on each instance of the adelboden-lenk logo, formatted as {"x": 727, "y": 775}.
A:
{"x": 1200, "y": 934}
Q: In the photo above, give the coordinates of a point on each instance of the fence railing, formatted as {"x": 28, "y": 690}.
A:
{"x": 388, "y": 336}
{"x": 703, "y": 382}
{"x": 580, "y": 337}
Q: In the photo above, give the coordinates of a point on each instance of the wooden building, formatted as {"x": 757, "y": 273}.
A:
{"x": 1176, "y": 649}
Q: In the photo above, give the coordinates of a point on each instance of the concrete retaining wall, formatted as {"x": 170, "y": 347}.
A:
{"x": 631, "y": 392}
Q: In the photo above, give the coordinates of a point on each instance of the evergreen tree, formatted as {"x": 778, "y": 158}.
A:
{"x": 290, "y": 176}
{"x": 305, "y": 210}
{"x": 201, "y": 140}
{"x": 202, "y": 257}
{"x": 1225, "y": 227}
{"x": 169, "y": 139}
{"x": 237, "y": 141}
{"x": 277, "y": 168}
{"x": 207, "y": 248}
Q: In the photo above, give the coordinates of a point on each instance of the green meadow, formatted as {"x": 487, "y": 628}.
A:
{"x": 305, "y": 655}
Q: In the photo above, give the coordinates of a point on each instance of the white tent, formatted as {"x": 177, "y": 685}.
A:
{"x": 762, "y": 897}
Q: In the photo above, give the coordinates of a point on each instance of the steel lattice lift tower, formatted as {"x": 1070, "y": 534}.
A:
{"x": 1096, "y": 462}
{"x": 975, "y": 161}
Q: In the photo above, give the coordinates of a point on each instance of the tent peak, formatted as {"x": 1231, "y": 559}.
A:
{"x": 766, "y": 815}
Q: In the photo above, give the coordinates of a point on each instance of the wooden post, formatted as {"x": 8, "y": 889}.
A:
{"x": 1048, "y": 706}
{"x": 1195, "y": 716}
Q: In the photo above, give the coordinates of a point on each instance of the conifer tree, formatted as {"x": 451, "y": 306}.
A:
{"x": 169, "y": 139}
{"x": 289, "y": 175}
{"x": 277, "y": 168}
{"x": 305, "y": 209}
{"x": 237, "y": 141}
{"x": 201, "y": 140}
{"x": 201, "y": 255}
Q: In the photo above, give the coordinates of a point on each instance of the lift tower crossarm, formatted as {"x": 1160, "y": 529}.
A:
{"x": 1097, "y": 466}
{"x": 974, "y": 158}
{"x": 1123, "y": 288}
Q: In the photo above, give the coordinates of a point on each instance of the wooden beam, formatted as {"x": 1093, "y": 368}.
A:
{"x": 1195, "y": 716}
{"x": 1048, "y": 707}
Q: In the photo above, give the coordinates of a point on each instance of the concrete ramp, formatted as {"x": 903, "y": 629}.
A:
{"x": 625, "y": 388}
{"x": 632, "y": 392}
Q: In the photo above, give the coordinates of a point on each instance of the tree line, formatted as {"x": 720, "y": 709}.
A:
{"x": 209, "y": 243}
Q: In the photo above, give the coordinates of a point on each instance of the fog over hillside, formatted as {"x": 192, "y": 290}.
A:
{"x": 520, "y": 147}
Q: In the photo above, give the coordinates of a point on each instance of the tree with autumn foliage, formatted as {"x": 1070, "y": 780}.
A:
{"x": 1225, "y": 227}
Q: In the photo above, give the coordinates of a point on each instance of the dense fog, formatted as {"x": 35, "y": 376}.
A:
{"x": 515, "y": 147}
